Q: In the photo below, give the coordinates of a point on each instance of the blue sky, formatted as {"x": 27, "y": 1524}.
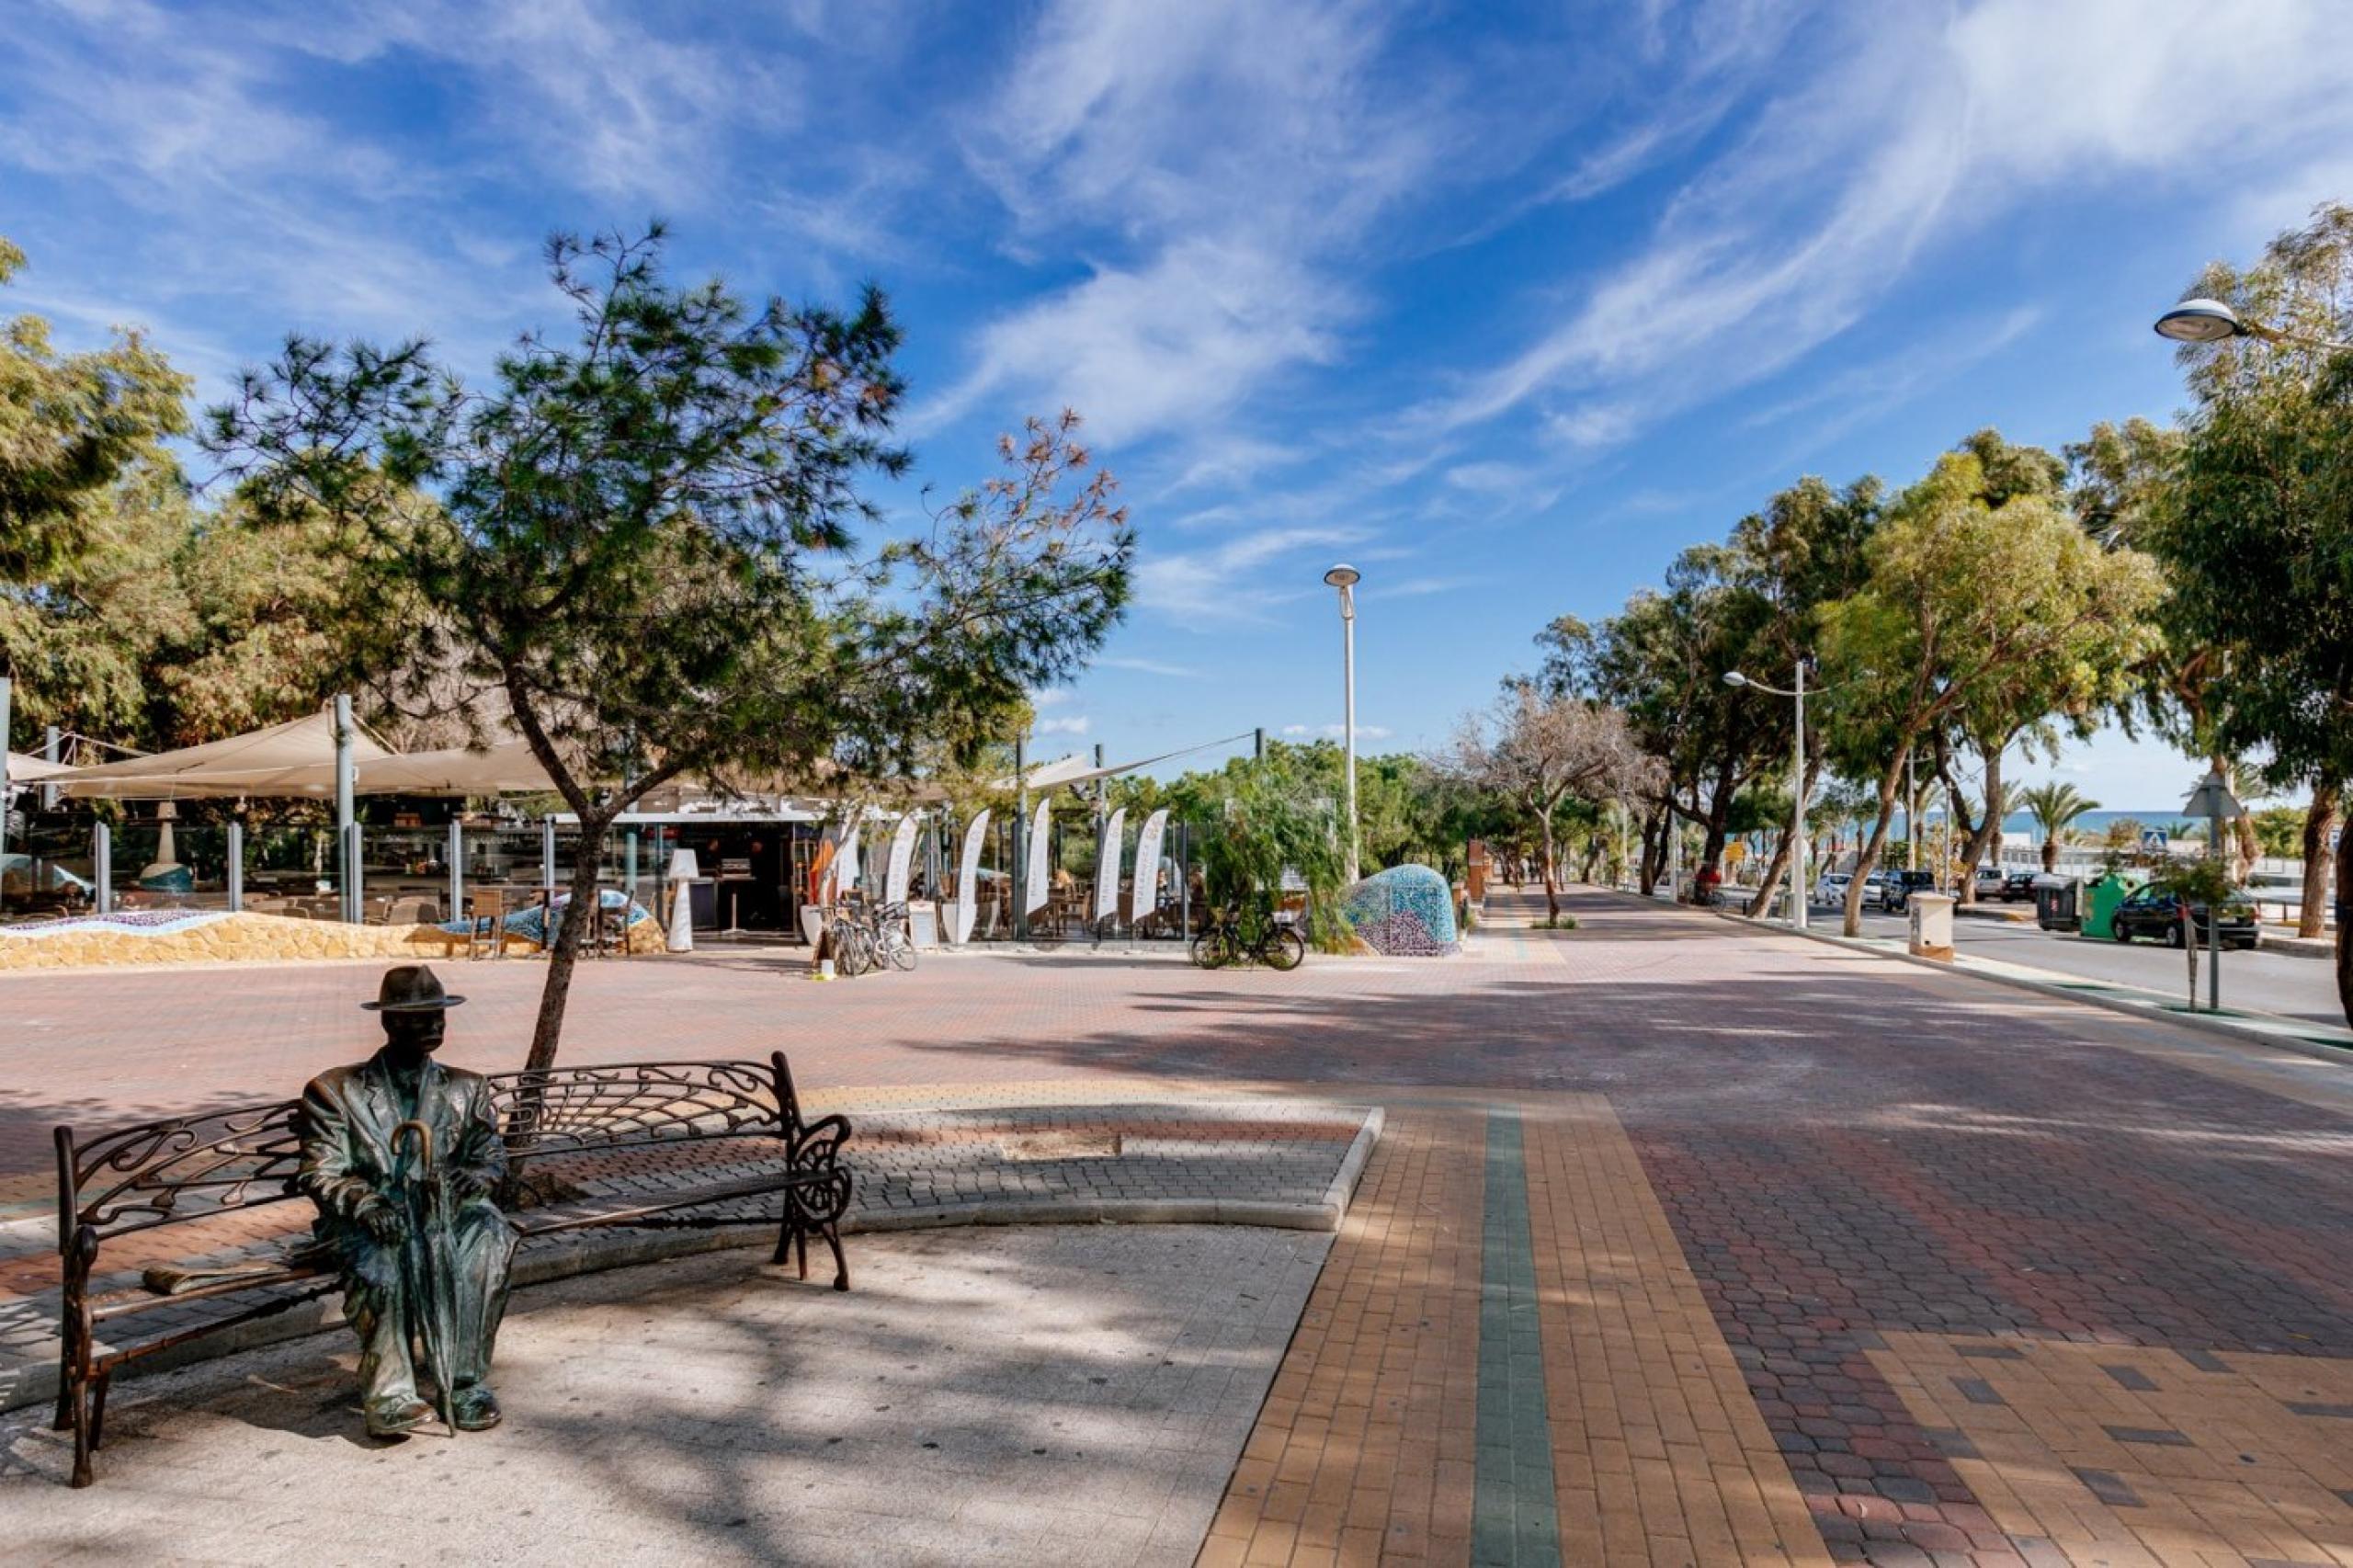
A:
{"x": 1506, "y": 304}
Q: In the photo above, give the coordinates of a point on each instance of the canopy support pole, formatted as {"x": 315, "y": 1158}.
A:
{"x": 6, "y": 689}
{"x": 347, "y": 849}
{"x": 456, "y": 854}
{"x": 1020, "y": 843}
{"x": 236, "y": 866}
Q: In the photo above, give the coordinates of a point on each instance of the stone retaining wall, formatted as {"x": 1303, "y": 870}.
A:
{"x": 248, "y": 938}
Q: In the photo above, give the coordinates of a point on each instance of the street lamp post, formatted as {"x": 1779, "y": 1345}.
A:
{"x": 2212, "y": 320}
{"x": 1798, "y": 892}
{"x": 1346, "y": 578}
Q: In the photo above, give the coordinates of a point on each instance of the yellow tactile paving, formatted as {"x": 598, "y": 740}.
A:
{"x": 1659, "y": 1453}
{"x": 2127, "y": 1455}
{"x": 1365, "y": 1450}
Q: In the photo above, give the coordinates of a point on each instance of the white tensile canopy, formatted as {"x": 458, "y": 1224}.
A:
{"x": 297, "y": 759}
{"x": 1078, "y": 769}
{"x": 23, "y": 769}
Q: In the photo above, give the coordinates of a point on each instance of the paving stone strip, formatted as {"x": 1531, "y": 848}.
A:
{"x": 1288, "y": 1165}
{"x": 1514, "y": 1522}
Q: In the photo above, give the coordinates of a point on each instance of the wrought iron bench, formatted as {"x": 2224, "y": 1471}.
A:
{"x": 611, "y": 1136}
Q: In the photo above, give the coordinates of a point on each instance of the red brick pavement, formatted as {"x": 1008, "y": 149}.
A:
{"x": 1846, "y": 1149}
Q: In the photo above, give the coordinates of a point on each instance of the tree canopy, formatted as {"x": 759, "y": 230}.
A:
{"x": 649, "y": 549}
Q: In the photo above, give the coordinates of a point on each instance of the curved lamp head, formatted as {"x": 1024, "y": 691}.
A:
{"x": 1734, "y": 677}
{"x": 1344, "y": 576}
{"x": 2201, "y": 321}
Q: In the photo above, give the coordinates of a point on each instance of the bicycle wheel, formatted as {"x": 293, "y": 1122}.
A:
{"x": 1209, "y": 949}
{"x": 1286, "y": 950}
{"x": 903, "y": 953}
{"x": 849, "y": 950}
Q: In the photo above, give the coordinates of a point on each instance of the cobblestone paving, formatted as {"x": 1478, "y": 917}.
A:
{"x": 1071, "y": 1394}
{"x": 1261, "y": 1163}
{"x": 1774, "y": 1188}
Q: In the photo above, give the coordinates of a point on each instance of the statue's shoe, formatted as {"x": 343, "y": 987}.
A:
{"x": 475, "y": 1407}
{"x": 397, "y": 1416}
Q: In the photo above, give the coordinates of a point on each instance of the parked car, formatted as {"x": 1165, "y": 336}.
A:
{"x": 2017, "y": 887}
{"x": 1892, "y": 891}
{"x": 1831, "y": 887}
{"x": 1990, "y": 881}
{"x": 2152, "y": 912}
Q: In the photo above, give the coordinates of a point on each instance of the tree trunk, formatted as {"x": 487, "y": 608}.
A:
{"x": 2050, "y": 849}
{"x": 547, "y": 1033}
{"x": 2312, "y": 919}
{"x": 1890, "y": 785}
{"x": 2345, "y": 933}
{"x": 1988, "y": 831}
{"x": 1551, "y": 877}
{"x": 1651, "y": 839}
{"x": 1785, "y": 852}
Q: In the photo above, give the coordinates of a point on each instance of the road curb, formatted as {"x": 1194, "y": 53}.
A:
{"x": 2136, "y": 1004}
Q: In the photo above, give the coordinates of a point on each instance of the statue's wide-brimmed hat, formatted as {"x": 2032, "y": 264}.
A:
{"x": 411, "y": 988}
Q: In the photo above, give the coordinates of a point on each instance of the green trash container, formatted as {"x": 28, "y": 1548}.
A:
{"x": 2101, "y": 899}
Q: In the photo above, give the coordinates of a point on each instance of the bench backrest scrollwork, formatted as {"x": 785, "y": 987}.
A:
{"x": 185, "y": 1169}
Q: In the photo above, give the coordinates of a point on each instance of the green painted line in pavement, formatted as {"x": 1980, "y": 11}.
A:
{"x": 1515, "y": 1519}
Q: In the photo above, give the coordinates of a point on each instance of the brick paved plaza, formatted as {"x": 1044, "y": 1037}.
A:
{"x": 1680, "y": 1244}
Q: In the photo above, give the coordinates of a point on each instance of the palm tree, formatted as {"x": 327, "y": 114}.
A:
{"x": 2055, "y": 806}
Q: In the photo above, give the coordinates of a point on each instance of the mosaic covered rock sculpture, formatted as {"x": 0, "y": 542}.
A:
{"x": 1405, "y": 911}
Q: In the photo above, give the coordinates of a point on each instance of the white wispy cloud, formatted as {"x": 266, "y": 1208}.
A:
{"x": 1337, "y": 732}
{"x": 1068, "y": 724}
{"x": 1237, "y": 580}
{"x": 1149, "y": 667}
{"x": 1906, "y": 129}
{"x": 1216, "y": 157}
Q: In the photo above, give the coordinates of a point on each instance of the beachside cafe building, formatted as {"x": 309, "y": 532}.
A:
{"x": 457, "y": 833}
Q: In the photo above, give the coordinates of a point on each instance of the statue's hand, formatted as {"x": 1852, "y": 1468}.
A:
{"x": 466, "y": 1185}
{"x": 384, "y": 1221}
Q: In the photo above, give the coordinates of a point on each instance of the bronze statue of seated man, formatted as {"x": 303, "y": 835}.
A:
{"x": 402, "y": 1156}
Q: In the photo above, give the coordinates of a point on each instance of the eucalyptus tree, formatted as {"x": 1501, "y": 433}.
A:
{"x": 2257, "y": 528}
{"x": 2122, "y": 479}
{"x": 2033, "y": 697}
{"x": 649, "y": 551}
{"x": 92, "y": 507}
{"x": 1965, "y": 601}
{"x": 1661, "y": 659}
{"x": 1805, "y": 550}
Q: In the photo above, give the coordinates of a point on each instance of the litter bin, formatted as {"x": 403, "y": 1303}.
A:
{"x": 2107, "y": 891}
{"x": 2054, "y": 902}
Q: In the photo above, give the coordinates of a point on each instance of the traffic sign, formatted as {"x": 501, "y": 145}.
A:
{"x": 2152, "y": 839}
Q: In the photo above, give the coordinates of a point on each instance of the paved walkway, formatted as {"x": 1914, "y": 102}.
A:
{"x": 1759, "y": 1249}
{"x": 1065, "y": 1395}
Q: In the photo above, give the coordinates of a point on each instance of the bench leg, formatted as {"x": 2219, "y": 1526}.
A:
{"x": 79, "y": 1395}
{"x": 841, "y": 1264}
{"x": 784, "y": 1237}
{"x": 98, "y": 1410}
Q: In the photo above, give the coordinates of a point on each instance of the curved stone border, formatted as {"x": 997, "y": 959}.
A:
{"x": 28, "y": 1379}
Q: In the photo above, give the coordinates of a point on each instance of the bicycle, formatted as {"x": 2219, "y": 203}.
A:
{"x": 851, "y": 944}
{"x": 892, "y": 944}
{"x": 871, "y": 940}
{"x": 1279, "y": 947}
